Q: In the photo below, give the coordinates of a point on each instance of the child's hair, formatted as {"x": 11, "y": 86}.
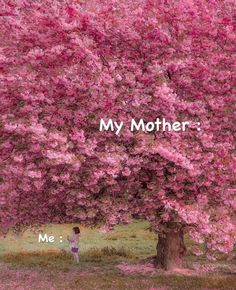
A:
{"x": 76, "y": 230}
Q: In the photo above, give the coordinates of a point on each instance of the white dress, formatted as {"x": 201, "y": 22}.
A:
{"x": 74, "y": 241}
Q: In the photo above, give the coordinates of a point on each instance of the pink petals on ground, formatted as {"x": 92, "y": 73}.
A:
{"x": 136, "y": 268}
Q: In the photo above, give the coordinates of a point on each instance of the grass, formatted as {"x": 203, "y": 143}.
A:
{"x": 134, "y": 237}
{"x": 50, "y": 265}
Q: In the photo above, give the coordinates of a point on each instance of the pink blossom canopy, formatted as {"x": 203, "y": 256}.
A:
{"x": 67, "y": 64}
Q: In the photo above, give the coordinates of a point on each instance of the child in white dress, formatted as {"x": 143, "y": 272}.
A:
{"x": 74, "y": 243}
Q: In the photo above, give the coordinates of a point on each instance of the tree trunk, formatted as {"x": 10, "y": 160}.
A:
{"x": 170, "y": 249}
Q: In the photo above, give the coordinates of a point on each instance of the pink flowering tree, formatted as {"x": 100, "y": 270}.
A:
{"x": 66, "y": 64}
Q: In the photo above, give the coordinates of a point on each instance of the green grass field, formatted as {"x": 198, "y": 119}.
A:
{"x": 50, "y": 265}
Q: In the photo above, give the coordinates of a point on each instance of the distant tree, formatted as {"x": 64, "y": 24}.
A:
{"x": 66, "y": 64}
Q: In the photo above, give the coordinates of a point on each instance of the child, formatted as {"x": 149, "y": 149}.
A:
{"x": 74, "y": 243}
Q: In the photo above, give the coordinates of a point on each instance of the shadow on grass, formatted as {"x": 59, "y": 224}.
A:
{"x": 100, "y": 264}
{"x": 63, "y": 260}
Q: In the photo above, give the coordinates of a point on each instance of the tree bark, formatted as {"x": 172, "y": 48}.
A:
{"x": 170, "y": 249}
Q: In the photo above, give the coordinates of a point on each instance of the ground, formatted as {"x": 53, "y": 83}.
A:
{"x": 118, "y": 260}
